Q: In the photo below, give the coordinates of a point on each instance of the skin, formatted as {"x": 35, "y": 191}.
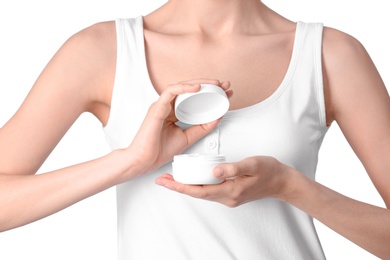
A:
{"x": 184, "y": 31}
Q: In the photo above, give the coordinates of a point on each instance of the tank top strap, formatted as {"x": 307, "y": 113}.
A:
{"x": 132, "y": 91}
{"x": 309, "y": 68}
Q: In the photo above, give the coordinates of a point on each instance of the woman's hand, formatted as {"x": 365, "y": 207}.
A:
{"x": 159, "y": 138}
{"x": 247, "y": 180}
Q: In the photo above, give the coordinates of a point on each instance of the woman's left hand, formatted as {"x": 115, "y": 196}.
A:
{"x": 247, "y": 180}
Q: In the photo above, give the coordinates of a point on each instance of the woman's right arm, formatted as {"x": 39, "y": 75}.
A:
{"x": 79, "y": 79}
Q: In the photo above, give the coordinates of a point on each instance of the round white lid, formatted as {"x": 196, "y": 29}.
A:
{"x": 204, "y": 106}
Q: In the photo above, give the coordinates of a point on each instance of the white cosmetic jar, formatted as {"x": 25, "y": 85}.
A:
{"x": 204, "y": 106}
{"x": 196, "y": 169}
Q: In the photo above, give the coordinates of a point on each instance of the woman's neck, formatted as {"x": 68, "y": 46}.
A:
{"x": 211, "y": 17}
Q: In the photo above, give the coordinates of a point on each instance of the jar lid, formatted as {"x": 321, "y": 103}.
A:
{"x": 204, "y": 106}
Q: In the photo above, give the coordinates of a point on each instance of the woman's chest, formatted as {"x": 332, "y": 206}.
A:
{"x": 255, "y": 66}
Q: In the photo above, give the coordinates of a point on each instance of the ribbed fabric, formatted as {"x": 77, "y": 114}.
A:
{"x": 155, "y": 223}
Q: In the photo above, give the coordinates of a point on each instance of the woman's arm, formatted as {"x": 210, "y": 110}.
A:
{"x": 76, "y": 80}
{"x": 79, "y": 79}
{"x": 72, "y": 83}
{"x": 357, "y": 99}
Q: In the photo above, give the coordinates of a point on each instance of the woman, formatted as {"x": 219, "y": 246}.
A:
{"x": 178, "y": 37}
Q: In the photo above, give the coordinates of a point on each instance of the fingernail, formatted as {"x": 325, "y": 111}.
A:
{"x": 218, "y": 172}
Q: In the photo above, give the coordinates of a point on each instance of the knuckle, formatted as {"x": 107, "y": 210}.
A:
{"x": 237, "y": 193}
{"x": 252, "y": 164}
{"x": 153, "y": 106}
{"x": 231, "y": 203}
{"x": 253, "y": 161}
{"x": 157, "y": 109}
{"x": 232, "y": 170}
{"x": 236, "y": 169}
{"x": 235, "y": 196}
{"x": 170, "y": 92}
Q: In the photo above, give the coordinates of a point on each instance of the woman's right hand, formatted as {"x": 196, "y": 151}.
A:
{"x": 159, "y": 138}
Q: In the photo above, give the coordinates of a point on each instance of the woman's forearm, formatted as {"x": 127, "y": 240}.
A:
{"x": 27, "y": 198}
{"x": 366, "y": 225}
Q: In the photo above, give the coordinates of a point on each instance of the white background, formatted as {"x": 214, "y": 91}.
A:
{"x": 32, "y": 31}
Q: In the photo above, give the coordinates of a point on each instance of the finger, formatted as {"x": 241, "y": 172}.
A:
{"x": 227, "y": 170}
{"x": 229, "y": 93}
{"x": 224, "y": 85}
{"x": 194, "y": 133}
{"x": 164, "y": 176}
{"x": 173, "y": 90}
{"x": 209, "y": 192}
{"x": 201, "y": 81}
{"x": 247, "y": 166}
{"x": 162, "y": 107}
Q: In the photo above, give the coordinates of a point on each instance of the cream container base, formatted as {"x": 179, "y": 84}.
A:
{"x": 196, "y": 169}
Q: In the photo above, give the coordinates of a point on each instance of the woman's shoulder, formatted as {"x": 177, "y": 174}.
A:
{"x": 346, "y": 65}
{"x": 96, "y": 42}
{"x": 101, "y": 35}
{"x": 341, "y": 48}
{"x": 90, "y": 55}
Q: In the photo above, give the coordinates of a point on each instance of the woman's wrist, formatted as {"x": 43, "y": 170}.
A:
{"x": 291, "y": 184}
{"x": 124, "y": 166}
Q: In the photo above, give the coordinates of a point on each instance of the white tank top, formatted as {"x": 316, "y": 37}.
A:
{"x": 155, "y": 223}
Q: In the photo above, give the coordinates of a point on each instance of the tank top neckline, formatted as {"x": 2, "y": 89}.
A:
{"x": 140, "y": 41}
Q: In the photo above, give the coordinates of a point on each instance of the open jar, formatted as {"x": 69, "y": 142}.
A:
{"x": 196, "y": 169}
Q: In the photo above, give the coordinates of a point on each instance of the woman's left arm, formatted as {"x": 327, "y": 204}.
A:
{"x": 357, "y": 99}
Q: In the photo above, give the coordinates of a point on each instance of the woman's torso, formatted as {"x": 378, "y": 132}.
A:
{"x": 287, "y": 122}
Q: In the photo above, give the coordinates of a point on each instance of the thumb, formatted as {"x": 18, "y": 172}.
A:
{"x": 227, "y": 170}
{"x": 194, "y": 133}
